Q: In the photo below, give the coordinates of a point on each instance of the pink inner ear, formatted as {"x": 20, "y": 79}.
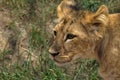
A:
{"x": 103, "y": 19}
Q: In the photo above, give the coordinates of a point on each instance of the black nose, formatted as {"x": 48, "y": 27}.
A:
{"x": 54, "y": 54}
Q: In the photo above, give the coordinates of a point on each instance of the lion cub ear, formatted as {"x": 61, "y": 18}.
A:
{"x": 101, "y": 15}
{"x": 67, "y": 8}
{"x": 98, "y": 21}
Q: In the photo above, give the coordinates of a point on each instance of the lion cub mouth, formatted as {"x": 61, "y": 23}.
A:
{"x": 55, "y": 54}
{"x": 61, "y": 58}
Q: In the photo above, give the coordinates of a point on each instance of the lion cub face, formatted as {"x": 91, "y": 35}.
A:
{"x": 70, "y": 42}
{"x": 78, "y": 33}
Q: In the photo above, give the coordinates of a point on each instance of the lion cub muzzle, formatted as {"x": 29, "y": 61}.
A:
{"x": 53, "y": 52}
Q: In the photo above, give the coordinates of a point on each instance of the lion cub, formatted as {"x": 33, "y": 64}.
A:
{"x": 86, "y": 34}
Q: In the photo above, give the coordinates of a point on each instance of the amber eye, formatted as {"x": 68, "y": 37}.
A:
{"x": 55, "y": 33}
{"x": 70, "y": 36}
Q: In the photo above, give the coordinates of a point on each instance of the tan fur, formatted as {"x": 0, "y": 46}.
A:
{"x": 94, "y": 36}
{"x": 64, "y": 9}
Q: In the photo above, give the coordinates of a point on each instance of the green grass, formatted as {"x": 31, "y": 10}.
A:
{"x": 35, "y": 19}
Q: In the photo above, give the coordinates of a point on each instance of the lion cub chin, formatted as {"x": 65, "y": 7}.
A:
{"x": 85, "y": 34}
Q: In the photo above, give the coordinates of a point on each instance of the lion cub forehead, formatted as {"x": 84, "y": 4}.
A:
{"x": 71, "y": 27}
{"x": 59, "y": 26}
{"x": 63, "y": 25}
{"x": 77, "y": 30}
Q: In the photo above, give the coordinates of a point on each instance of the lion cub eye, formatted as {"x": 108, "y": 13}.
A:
{"x": 70, "y": 36}
{"x": 55, "y": 33}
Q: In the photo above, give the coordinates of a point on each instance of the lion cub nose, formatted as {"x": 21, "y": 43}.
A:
{"x": 53, "y": 52}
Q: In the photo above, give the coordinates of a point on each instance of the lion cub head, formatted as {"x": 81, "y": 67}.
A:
{"x": 78, "y": 33}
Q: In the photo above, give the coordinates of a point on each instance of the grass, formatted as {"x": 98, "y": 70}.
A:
{"x": 34, "y": 14}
